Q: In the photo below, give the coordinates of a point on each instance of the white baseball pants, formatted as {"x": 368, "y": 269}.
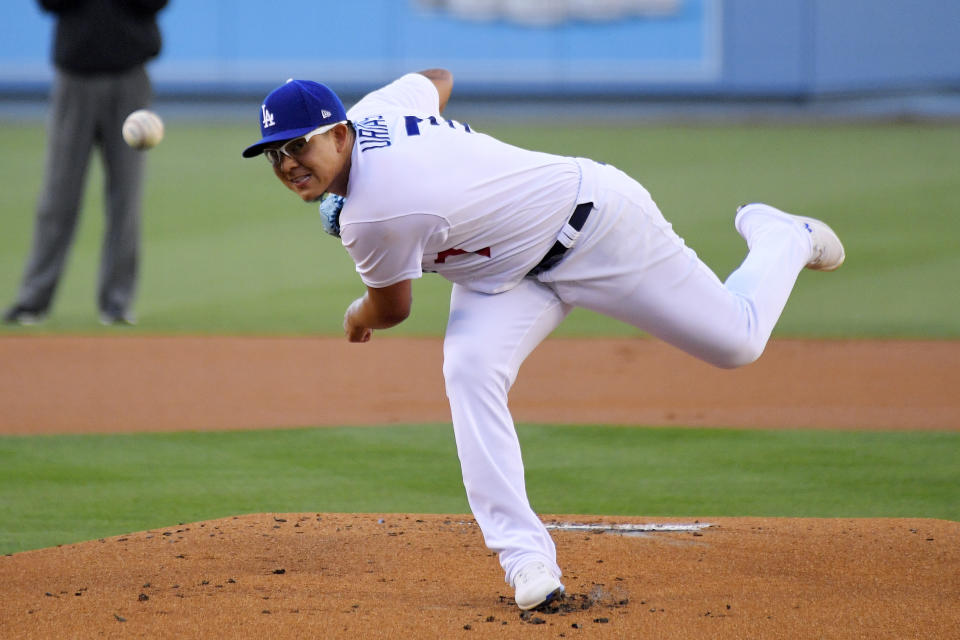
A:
{"x": 629, "y": 264}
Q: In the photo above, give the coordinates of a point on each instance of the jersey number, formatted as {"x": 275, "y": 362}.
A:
{"x": 413, "y": 124}
{"x": 443, "y": 255}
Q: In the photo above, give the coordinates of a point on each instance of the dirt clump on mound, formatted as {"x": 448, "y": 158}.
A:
{"x": 429, "y": 576}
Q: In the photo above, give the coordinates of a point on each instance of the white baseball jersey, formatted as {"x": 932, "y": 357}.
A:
{"x": 427, "y": 194}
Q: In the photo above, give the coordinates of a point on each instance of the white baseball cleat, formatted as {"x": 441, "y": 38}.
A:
{"x": 536, "y": 585}
{"x": 827, "y": 251}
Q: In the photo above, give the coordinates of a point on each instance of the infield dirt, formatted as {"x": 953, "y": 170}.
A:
{"x": 429, "y": 576}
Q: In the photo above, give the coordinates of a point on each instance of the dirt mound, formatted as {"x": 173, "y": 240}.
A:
{"x": 429, "y": 576}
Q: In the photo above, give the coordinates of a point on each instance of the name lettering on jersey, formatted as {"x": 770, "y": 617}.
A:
{"x": 268, "y": 120}
{"x": 372, "y": 133}
{"x": 443, "y": 255}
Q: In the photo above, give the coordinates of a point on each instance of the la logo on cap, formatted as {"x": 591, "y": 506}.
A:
{"x": 268, "y": 120}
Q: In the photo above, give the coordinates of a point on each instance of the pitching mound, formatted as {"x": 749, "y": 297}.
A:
{"x": 429, "y": 576}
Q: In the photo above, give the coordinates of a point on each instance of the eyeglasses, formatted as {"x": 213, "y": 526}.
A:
{"x": 294, "y": 148}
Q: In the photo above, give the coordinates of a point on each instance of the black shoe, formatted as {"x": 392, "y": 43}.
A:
{"x": 114, "y": 319}
{"x": 24, "y": 316}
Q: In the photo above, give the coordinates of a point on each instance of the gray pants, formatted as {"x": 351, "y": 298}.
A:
{"x": 88, "y": 111}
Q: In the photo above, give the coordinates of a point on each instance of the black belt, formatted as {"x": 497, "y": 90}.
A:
{"x": 556, "y": 252}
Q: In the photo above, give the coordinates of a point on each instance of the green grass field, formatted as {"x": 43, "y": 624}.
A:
{"x": 61, "y": 489}
{"x": 228, "y": 251}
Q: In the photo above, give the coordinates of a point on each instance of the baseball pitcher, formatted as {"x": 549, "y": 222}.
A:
{"x": 524, "y": 237}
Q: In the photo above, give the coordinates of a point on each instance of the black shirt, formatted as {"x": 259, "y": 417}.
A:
{"x": 104, "y": 36}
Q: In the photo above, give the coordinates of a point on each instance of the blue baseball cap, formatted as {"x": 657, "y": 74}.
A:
{"x": 293, "y": 109}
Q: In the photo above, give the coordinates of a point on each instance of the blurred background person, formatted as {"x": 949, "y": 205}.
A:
{"x": 99, "y": 53}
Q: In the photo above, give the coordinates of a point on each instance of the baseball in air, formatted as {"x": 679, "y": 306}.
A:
{"x": 143, "y": 129}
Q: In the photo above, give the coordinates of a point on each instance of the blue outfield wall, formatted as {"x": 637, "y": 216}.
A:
{"x": 815, "y": 47}
{"x": 738, "y": 48}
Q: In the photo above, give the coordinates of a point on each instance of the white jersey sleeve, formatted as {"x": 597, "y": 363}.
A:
{"x": 406, "y": 237}
{"x": 413, "y": 92}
